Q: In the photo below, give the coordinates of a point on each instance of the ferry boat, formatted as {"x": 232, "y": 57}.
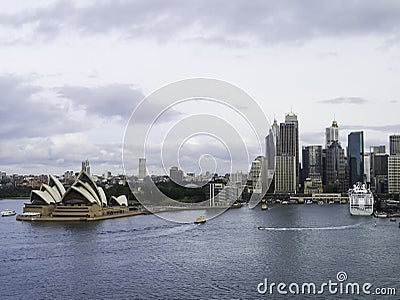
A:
{"x": 8, "y": 212}
{"x": 361, "y": 200}
{"x": 200, "y": 220}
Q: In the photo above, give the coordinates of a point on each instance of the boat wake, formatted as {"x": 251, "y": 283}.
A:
{"x": 312, "y": 228}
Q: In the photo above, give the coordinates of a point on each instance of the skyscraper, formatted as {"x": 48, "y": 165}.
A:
{"x": 285, "y": 174}
{"x": 256, "y": 173}
{"x": 355, "y": 157}
{"x": 379, "y": 169}
{"x": 335, "y": 171}
{"x": 394, "y": 164}
{"x": 142, "y": 168}
{"x": 331, "y": 134}
{"x": 394, "y": 174}
{"x": 379, "y": 172}
{"x": 86, "y": 166}
{"x": 312, "y": 161}
{"x": 367, "y": 169}
{"x": 176, "y": 175}
{"x": 395, "y": 144}
{"x": 271, "y": 142}
{"x": 287, "y": 156}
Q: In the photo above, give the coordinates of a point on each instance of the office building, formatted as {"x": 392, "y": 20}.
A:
{"x": 142, "y": 168}
{"x": 394, "y": 174}
{"x": 312, "y": 161}
{"x": 379, "y": 169}
{"x": 86, "y": 166}
{"x": 335, "y": 170}
{"x": 287, "y": 156}
{"x": 331, "y": 134}
{"x": 367, "y": 169}
{"x": 377, "y": 149}
{"x": 213, "y": 192}
{"x": 285, "y": 174}
{"x": 355, "y": 157}
{"x": 176, "y": 175}
{"x": 394, "y": 141}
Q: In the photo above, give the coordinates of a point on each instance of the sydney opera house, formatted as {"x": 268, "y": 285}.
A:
{"x": 84, "y": 200}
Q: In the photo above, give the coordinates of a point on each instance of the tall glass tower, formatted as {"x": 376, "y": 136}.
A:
{"x": 287, "y": 156}
{"x": 355, "y": 157}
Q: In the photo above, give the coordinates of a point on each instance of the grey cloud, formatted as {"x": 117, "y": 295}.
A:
{"x": 345, "y": 100}
{"x": 312, "y": 138}
{"x": 109, "y": 100}
{"x": 232, "y": 21}
{"x": 24, "y": 113}
{"x": 112, "y": 100}
{"x": 63, "y": 152}
{"x": 390, "y": 128}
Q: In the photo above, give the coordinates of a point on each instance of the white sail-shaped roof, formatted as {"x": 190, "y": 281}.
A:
{"x": 44, "y": 196}
{"x": 94, "y": 193}
{"x": 103, "y": 196}
{"x": 82, "y": 191}
{"x": 121, "y": 200}
{"x": 53, "y": 181}
{"x": 53, "y": 191}
{"x": 86, "y": 178}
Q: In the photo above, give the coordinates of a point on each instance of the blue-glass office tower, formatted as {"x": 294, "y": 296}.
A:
{"x": 355, "y": 157}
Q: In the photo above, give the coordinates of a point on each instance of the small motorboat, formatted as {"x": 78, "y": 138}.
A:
{"x": 308, "y": 202}
{"x": 320, "y": 202}
{"x": 393, "y": 219}
{"x": 284, "y": 202}
{"x": 200, "y": 220}
{"x": 380, "y": 214}
{"x": 8, "y": 212}
{"x": 261, "y": 227}
{"x": 264, "y": 206}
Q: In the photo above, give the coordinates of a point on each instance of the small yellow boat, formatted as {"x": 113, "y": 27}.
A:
{"x": 200, "y": 220}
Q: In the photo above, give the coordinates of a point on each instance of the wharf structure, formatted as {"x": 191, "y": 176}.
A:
{"x": 83, "y": 201}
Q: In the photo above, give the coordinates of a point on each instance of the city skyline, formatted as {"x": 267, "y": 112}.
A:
{"x": 393, "y": 139}
{"x": 72, "y": 72}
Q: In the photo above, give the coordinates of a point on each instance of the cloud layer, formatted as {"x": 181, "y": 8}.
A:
{"x": 218, "y": 21}
{"x": 345, "y": 100}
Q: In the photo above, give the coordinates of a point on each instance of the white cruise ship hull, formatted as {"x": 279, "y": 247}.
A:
{"x": 361, "y": 204}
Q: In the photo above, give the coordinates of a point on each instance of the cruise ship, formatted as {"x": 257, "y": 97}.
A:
{"x": 361, "y": 200}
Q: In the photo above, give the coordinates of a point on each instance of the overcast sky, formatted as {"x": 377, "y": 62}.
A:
{"x": 72, "y": 72}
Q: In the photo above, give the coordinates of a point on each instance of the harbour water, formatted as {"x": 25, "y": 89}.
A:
{"x": 146, "y": 257}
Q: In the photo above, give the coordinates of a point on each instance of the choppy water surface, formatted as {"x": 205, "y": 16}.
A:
{"x": 146, "y": 257}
